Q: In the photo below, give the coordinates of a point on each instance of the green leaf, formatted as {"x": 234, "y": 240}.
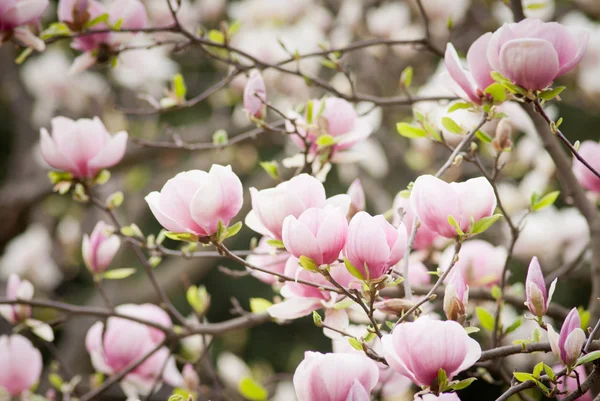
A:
{"x": 584, "y": 316}
{"x": 117, "y": 25}
{"x": 176, "y": 397}
{"x": 452, "y": 126}
{"x": 463, "y": 384}
{"x": 179, "y": 86}
{"x": 497, "y": 92}
{"x": 512, "y": 88}
{"x": 98, "y": 20}
{"x": 472, "y": 329}
{"x": 547, "y": 200}
{"x": 231, "y": 231}
{"x": 56, "y": 381}
{"x": 187, "y": 237}
{"x": 59, "y": 176}
{"x": 515, "y": 325}
{"x": 523, "y": 376}
{"x": 551, "y": 93}
{"x": 410, "y": 131}
{"x": 276, "y": 243}
{"x": 442, "y": 380}
{"x": 309, "y": 112}
{"x": 198, "y": 298}
{"x": 483, "y": 224}
{"x": 115, "y": 200}
{"x": 406, "y": 76}
{"x": 329, "y": 64}
{"x": 252, "y": 390}
{"x": 559, "y": 122}
{"x": 355, "y": 343}
{"x": 317, "y": 319}
{"x": 307, "y": 263}
{"x": 55, "y": 29}
{"x": 549, "y": 372}
{"x": 459, "y": 106}
{"x": 587, "y": 358}
{"x": 220, "y": 138}
{"x": 102, "y": 177}
{"x": 485, "y": 318}
{"x": 272, "y": 168}
{"x": 234, "y": 28}
{"x": 483, "y": 137}
{"x": 216, "y": 36}
{"x": 324, "y": 141}
{"x": 259, "y": 305}
{"x": 118, "y": 274}
{"x": 537, "y": 369}
{"x": 496, "y": 292}
{"x": 452, "y": 221}
{"x": 353, "y": 270}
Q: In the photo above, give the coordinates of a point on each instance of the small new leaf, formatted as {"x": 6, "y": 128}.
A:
{"x": 485, "y": 223}
{"x": 551, "y": 93}
{"x": 547, "y": 200}
{"x": 259, "y": 305}
{"x": 220, "y": 138}
{"x": 452, "y": 126}
{"x": 252, "y": 390}
{"x": 461, "y": 385}
{"x": 459, "y": 106}
{"x": 406, "y": 77}
{"x": 452, "y": 221}
{"x": 497, "y": 92}
{"x": 523, "y": 376}
{"x": 483, "y": 137}
{"x": 187, "y": 237}
{"x": 410, "y": 131}
{"x": 317, "y": 319}
{"x": 485, "y": 318}
{"x": 587, "y": 358}
{"x": 307, "y": 263}
{"x": 179, "y": 87}
{"x": 272, "y": 168}
{"x": 355, "y": 343}
{"x": 353, "y": 270}
{"x": 118, "y": 274}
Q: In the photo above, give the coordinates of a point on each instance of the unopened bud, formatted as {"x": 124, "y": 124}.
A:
{"x": 394, "y": 306}
{"x": 503, "y": 141}
{"x": 191, "y": 381}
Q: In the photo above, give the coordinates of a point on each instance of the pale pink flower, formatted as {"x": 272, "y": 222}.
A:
{"x": 318, "y": 233}
{"x": 403, "y": 214}
{"x": 15, "y": 15}
{"x": 535, "y": 289}
{"x": 480, "y": 263}
{"x": 567, "y": 345}
{"x": 20, "y": 364}
{"x": 589, "y": 150}
{"x": 123, "y": 342}
{"x": 269, "y": 258}
{"x": 99, "y": 248}
{"x": 532, "y": 53}
{"x": 81, "y": 147}
{"x": 357, "y": 197}
{"x": 569, "y": 383}
{"x": 373, "y": 245}
{"x": 335, "y": 377}
{"x": 255, "y": 95}
{"x": 434, "y": 200}
{"x": 195, "y": 201}
{"x": 418, "y": 350}
{"x": 290, "y": 198}
{"x": 17, "y": 289}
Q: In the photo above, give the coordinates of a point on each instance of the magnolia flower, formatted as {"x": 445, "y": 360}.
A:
{"x": 532, "y": 53}
{"x": 17, "y": 289}
{"x": 290, "y": 198}
{"x": 82, "y": 147}
{"x": 15, "y": 15}
{"x": 456, "y": 297}
{"x": 434, "y": 200}
{"x": 255, "y": 95}
{"x": 269, "y": 258}
{"x": 335, "y": 377}
{"x": 567, "y": 346}
{"x": 418, "y": 350}
{"x": 589, "y": 151}
{"x": 99, "y": 249}
{"x": 20, "y": 364}
{"x": 441, "y": 397}
{"x": 570, "y": 383}
{"x": 195, "y": 201}
{"x": 535, "y": 289}
{"x": 318, "y": 234}
{"x": 480, "y": 263}
{"x": 357, "y": 197}
{"x": 373, "y": 245}
{"x": 111, "y": 351}
{"x": 404, "y": 214}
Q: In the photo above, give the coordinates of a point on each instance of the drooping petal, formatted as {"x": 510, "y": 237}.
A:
{"x": 459, "y": 75}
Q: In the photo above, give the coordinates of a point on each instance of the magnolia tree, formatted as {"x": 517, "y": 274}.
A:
{"x": 427, "y": 260}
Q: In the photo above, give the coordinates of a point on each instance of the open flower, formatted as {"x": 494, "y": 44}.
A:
{"x": 567, "y": 345}
{"x": 20, "y": 364}
{"x": 434, "y": 200}
{"x": 15, "y": 15}
{"x": 335, "y": 377}
{"x": 17, "y": 289}
{"x": 99, "y": 249}
{"x": 269, "y": 258}
{"x": 418, "y": 350}
{"x": 195, "y": 201}
{"x": 81, "y": 147}
{"x": 403, "y": 214}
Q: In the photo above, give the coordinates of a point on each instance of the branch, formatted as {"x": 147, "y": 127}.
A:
{"x": 517, "y": 9}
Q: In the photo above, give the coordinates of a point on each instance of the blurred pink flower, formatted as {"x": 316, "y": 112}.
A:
{"x": 589, "y": 150}
{"x": 269, "y": 258}
{"x": 434, "y": 200}
{"x": 357, "y": 197}
{"x": 16, "y": 14}
{"x": 403, "y": 213}
{"x": 373, "y": 245}
{"x": 441, "y": 397}
{"x": 255, "y": 94}
{"x": 480, "y": 262}
{"x": 456, "y": 297}
{"x": 570, "y": 383}
{"x": 418, "y": 350}
{"x": 81, "y": 147}
{"x": 99, "y": 248}
{"x": 335, "y": 377}
{"x": 20, "y": 364}
{"x": 318, "y": 233}
{"x": 195, "y": 201}
{"x": 17, "y": 289}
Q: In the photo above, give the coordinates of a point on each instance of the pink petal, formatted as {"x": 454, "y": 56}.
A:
{"x": 294, "y": 308}
{"x": 24, "y": 12}
{"x": 299, "y": 240}
{"x": 23, "y": 34}
{"x": 111, "y": 153}
{"x": 530, "y": 63}
{"x": 459, "y": 75}
{"x": 478, "y": 63}
{"x": 53, "y": 156}
{"x": 331, "y": 236}
{"x": 425, "y": 202}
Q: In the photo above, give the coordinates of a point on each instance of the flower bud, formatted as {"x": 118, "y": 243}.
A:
{"x": 17, "y": 289}
{"x": 20, "y": 364}
{"x": 255, "y": 95}
{"x": 99, "y": 248}
{"x": 567, "y": 346}
{"x": 394, "y": 306}
{"x": 502, "y": 140}
{"x": 456, "y": 297}
{"x": 535, "y": 289}
{"x": 191, "y": 380}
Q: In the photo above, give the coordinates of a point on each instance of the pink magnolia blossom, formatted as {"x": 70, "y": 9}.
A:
{"x": 532, "y": 53}
{"x": 456, "y": 297}
{"x": 567, "y": 345}
{"x": 335, "y": 377}
{"x": 17, "y": 289}
{"x": 20, "y": 364}
{"x": 472, "y": 82}
{"x": 195, "y": 201}
{"x": 589, "y": 150}
{"x": 290, "y": 198}
{"x": 434, "y": 200}
{"x": 318, "y": 233}
{"x": 535, "y": 289}
{"x": 570, "y": 383}
{"x": 441, "y": 397}
{"x": 15, "y": 15}
{"x": 404, "y": 214}
{"x": 269, "y": 258}
{"x": 357, "y": 197}
{"x": 82, "y": 147}
{"x": 123, "y": 342}
{"x": 480, "y": 263}
{"x": 373, "y": 245}
{"x": 418, "y": 350}
{"x": 99, "y": 249}
{"x": 255, "y": 94}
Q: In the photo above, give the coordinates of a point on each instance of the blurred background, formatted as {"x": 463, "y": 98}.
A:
{"x": 41, "y": 231}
